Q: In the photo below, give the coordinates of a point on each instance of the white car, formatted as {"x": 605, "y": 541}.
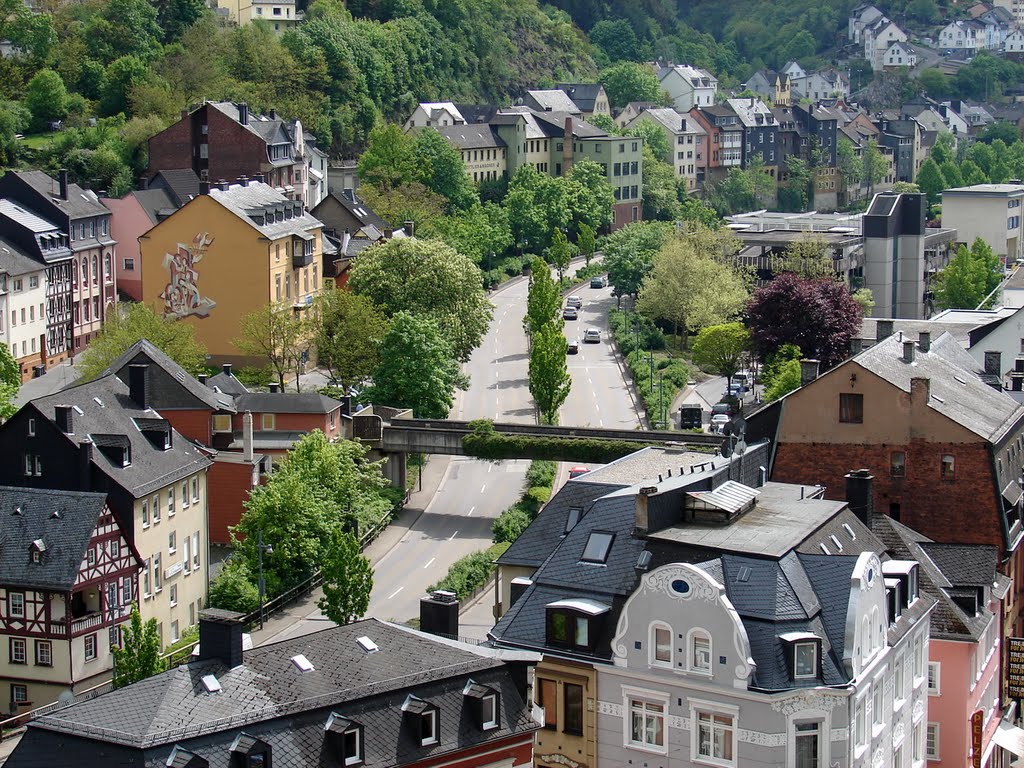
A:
{"x": 718, "y": 422}
{"x": 592, "y": 336}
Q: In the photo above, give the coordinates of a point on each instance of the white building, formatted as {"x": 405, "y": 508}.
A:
{"x": 687, "y": 142}
{"x": 878, "y": 37}
{"x": 23, "y": 315}
{"x": 989, "y": 211}
{"x": 962, "y": 35}
{"x": 900, "y": 55}
{"x": 824, "y": 84}
{"x": 687, "y": 86}
{"x": 860, "y": 17}
{"x": 1014, "y": 42}
{"x": 434, "y": 114}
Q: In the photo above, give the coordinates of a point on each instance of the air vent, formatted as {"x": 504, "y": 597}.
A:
{"x": 211, "y": 684}
{"x": 302, "y": 663}
{"x": 367, "y": 644}
{"x": 78, "y": 410}
{"x": 744, "y": 574}
{"x": 839, "y": 546}
{"x": 99, "y": 402}
{"x": 824, "y": 549}
{"x": 849, "y": 530}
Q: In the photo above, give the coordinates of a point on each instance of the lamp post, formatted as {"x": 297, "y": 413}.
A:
{"x": 260, "y": 549}
{"x": 661, "y": 400}
{"x": 651, "y": 360}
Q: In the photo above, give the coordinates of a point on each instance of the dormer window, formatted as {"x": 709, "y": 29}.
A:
{"x": 483, "y": 701}
{"x": 425, "y": 719}
{"x": 249, "y": 752}
{"x": 345, "y": 738}
{"x": 574, "y": 624}
{"x": 803, "y": 655}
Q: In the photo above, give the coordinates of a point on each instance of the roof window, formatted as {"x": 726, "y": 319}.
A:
{"x": 599, "y": 544}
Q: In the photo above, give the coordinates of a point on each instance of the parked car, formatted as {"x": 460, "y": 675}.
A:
{"x": 691, "y": 416}
{"x": 577, "y": 471}
{"x": 718, "y": 422}
{"x": 570, "y": 313}
{"x": 572, "y": 347}
{"x": 574, "y": 301}
{"x": 734, "y": 390}
{"x": 598, "y": 282}
{"x": 592, "y": 336}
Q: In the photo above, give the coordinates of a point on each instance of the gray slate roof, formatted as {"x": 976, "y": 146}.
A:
{"x": 182, "y": 183}
{"x": 227, "y": 384}
{"x": 63, "y": 520}
{"x": 286, "y": 402}
{"x": 157, "y": 203}
{"x": 255, "y": 197}
{"x": 30, "y": 220}
{"x": 80, "y": 203}
{"x": 15, "y": 261}
{"x": 472, "y": 136}
{"x": 106, "y": 409}
{"x": 583, "y": 95}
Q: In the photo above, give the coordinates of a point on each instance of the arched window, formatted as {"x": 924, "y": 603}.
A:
{"x": 106, "y": 267}
{"x": 74, "y": 273}
{"x": 699, "y": 651}
{"x": 660, "y": 645}
{"x": 95, "y": 269}
{"x": 85, "y": 270}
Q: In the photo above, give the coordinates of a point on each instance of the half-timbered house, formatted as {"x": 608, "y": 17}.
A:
{"x": 67, "y": 582}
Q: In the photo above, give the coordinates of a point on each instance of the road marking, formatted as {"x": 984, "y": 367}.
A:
{"x": 600, "y": 422}
{"x": 395, "y": 592}
{"x": 471, "y": 510}
{"x": 431, "y": 560}
{"x": 453, "y": 536}
{"x": 483, "y": 487}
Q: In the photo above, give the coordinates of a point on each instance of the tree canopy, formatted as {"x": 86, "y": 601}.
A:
{"x": 969, "y": 279}
{"x": 629, "y": 253}
{"x": 721, "y": 348}
{"x": 348, "y": 334}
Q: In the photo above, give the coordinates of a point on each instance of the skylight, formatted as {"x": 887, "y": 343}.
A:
{"x": 573, "y": 518}
{"x": 211, "y": 684}
{"x": 367, "y": 644}
{"x": 302, "y": 663}
{"x": 744, "y": 574}
{"x": 598, "y": 546}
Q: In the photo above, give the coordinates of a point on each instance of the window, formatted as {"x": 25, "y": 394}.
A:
{"x": 715, "y": 737}
{"x": 661, "y": 644}
{"x": 195, "y": 489}
{"x": 175, "y": 636}
{"x": 145, "y": 514}
{"x": 157, "y": 574}
{"x": 19, "y": 693}
{"x": 646, "y": 723}
{"x": 16, "y": 605}
{"x": 90, "y": 647}
{"x": 805, "y": 660}
{"x": 186, "y": 554}
{"x": 897, "y": 463}
{"x": 33, "y": 281}
{"x": 807, "y": 745}
{"x": 598, "y": 545}
{"x": 933, "y": 678}
{"x": 185, "y": 498}
{"x": 918, "y": 743}
{"x": 548, "y": 692}
{"x": 700, "y": 653}
{"x": 90, "y": 556}
{"x": 489, "y": 711}
{"x": 898, "y": 688}
{"x": 115, "y": 549}
{"x": 18, "y": 650}
{"x": 174, "y": 595}
{"x": 948, "y": 466}
{"x": 851, "y": 408}
{"x": 172, "y": 542}
{"x": 195, "y": 549}
{"x": 573, "y": 709}
{"x": 352, "y": 745}
{"x": 876, "y": 704}
{"x": 170, "y": 502}
{"x": 44, "y": 653}
{"x": 146, "y": 570}
{"x": 267, "y": 421}
{"x": 221, "y": 423}
{"x": 860, "y": 726}
{"x": 931, "y": 742}
{"x": 155, "y": 508}
{"x": 428, "y": 727}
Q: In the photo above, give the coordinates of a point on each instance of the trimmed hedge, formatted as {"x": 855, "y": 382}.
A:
{"x": 495, "y": 446}
{"x": 674, "y": 371}
{"x": 470, "y": 572}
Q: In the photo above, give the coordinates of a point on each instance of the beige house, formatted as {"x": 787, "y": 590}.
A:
{"x": 483, "y": 151}
{"x": 989, "y": 211}
{"x": 687, "y": 142}
{"x": 281, "y": 15}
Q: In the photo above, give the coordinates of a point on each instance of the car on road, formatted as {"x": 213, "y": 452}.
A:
{"x": 572, "y": 347}
{"x": 734, "y": 390}
{"x": 598, "y": 282}
{"x": 574, "y": 301}
{"x": 570, "y": 313}
{"x": 577, "y": 471}
{"x": 592, "y": 336}
{"x": 718, "y": 422}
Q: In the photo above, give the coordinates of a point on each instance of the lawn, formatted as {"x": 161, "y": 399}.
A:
{"x": 37, "y": 140}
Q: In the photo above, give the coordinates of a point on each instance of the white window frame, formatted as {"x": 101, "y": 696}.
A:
{"x": 932, "y": 729}
{"x": 431, "y": 715}
{"x": 803, "y": 644}
{"x": 16, "y": 598}
{"x": 195, "y": 551}
{"x": 691, "y": 655}
{"x": 357, "y": 758}
{"x": 820, "y": 731}
{"x": 95, "y": 646}
{"x": 698, "y": 707}
{"x": 22, "y": 644}
{"x": 44, "y": 653}
{"x": 654, "y": 646}
{"x": 644, "y": 696}
{"x": 489, "y": 720}
{"x": 936, "y": 678}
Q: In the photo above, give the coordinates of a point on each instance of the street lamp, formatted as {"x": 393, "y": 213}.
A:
{"x": 661, "y": 400}
{"x": 260, "y": 549}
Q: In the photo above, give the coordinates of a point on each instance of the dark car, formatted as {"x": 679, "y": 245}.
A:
{"x": 598, "y": 282}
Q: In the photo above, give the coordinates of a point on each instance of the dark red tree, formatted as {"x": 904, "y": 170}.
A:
{"x": 818, "y": 315}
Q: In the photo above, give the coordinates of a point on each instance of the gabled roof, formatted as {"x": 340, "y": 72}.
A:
{"x": 104, "y": 408}
{"x": 80, "y": 203}
{"x": 256, "y": 202}
{"x": 554, "y": 100}
{"x": 15, "y": 261}
{"x": 182, "y": 183}
{"x": 583, "y": 95}
{"x": 553, "y": 125}
{"x": 176, "y": 388}
{"x": 156, "y": 203}
{"x": 358, "y": 209}
{"x": 227, "y": 383}
{"x": 671, "y": 120}
{"x": 473, "y": 136}
{"x": 286, "y": 402}
{"x": 30, "y": 220}
{"x": 62, "y": 520}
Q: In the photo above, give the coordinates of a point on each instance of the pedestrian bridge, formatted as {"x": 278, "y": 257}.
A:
{"x": 442, "y": 436}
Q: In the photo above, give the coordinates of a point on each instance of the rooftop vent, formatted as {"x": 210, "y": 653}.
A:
{"x": 18, "y": 510}
{"x": 302, "y": 663}
{"x": 367, "y": 644}
{"x": 444, "y": 596}
{"x": 211, "y": 684}
{"x": 744, "y": 574}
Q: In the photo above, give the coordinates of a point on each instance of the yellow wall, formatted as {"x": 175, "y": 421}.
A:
{"x": 236, "y": 272}
{"x": 553, "y": 746}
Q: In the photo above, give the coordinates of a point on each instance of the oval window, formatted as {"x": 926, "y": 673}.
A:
{"x": 680, "y": 586}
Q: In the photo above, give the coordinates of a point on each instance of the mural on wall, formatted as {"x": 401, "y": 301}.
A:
{"x": 181, "y": 295}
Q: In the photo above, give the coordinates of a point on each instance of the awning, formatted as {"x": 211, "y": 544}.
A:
{"x": 1012, "y": 492}
{"x": 1010, "y": 738}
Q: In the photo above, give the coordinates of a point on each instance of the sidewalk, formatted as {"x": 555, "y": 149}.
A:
{"x": 278, "y": 625}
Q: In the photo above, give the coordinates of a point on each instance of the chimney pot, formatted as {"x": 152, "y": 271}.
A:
{"x": 883, "y": 330}
{"x": 908, "y": 351}
{"x": 62, "y": 178}
{"x": 859, "y": 494}
{"x": 204, "y": 187}
{"x": 203, "y": 378}
{"x": 243, "y": 113}
{"x": 65, "y": 418}
{"x": 220, "y": 636}
{"x": 924, "y": 341}
{"x": 138, "y": 385}
{"x": 243, "y": 180}
{"x": 224, "y": 185}
{"x": 247, "y": 453}
{"x": 410, "y": 228}
{"x": 226, "y": 368}
{"x": 808, "y": 371}
{"x": 274, "y": 387}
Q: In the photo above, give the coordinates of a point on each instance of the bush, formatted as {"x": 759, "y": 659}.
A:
{"x": 511, "y": 523}
{"x": 234, "y": 589}
{"x": 538, "y": 496}
{"x": 471, "y": 572}
{"x": 492, "y": 445}
{"x": 541, "y": 473}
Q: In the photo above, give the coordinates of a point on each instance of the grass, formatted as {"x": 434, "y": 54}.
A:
{"x": 37, "y": 140}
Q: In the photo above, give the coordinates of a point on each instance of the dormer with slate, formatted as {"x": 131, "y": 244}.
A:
{"x": 248, "y": 751}
{"x": 424, "y": 720}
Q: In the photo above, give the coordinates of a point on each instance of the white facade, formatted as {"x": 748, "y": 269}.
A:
{"x": 900, "y": 55}
{"x": 961, "y": 36}
{"x": 860, "y": 17}
{"x": 25, "y": 317}
{"x": 434, "y": 114}
{"x": 687, "y": 86}
{"x": 687, "y": 141}
{"x": 1014, "y": 42}
{"x": 992, "y": 212}
{"x": 878, "y": 38}
{"x": 816, "y": 86}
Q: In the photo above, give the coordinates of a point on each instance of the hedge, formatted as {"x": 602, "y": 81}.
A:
{"x": 470, "y": 572}
{"x": 485, "y": 443}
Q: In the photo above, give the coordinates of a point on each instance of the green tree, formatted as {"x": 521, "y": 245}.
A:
{"x": 866, "y": 299}
{"x": 655, "y": 138}
{"x": 417, "y": 368}
{"x": 808, "y": 256}
{"x": 130, "y": 323}
{"x": 409, "y": 201}
{"x": 175, "y": 16}
{"x": 388, "y": 161}
{"x": 548, "y": 373}
{"x": 122, "y": 76}
{"x": 931, "y": 181}
{"x": 560, "y": 252}
{"x": 630, "y": 81}
{"x": 588, "y": 194}
{"x": 348, "y": 335}
{"x": 699, "y": 212}
{"x": 661, "y": 200}
{"x": 427, "y": 278}
{"x": 234, "y": 588}
{"x": 972, "y": 174}
{"x": 951, "y": 173}
{"x": 46, "y": 98}
{"x": 629, "y": 252}
{"x": 586, "y": 241}
{"x": 875, "y": 165}
{"x": 1002, "y": 130}
{"x": 10, "y": 383}
{"x": 851, "y": 167}
{"x": 478, "y": 232}
{"x": 348, "y": 580}
{"x": 278, "y": 334}
{"x": 616, "y": 39}
{"x": 537, "y": 205}
{"x": 969, "y": 278}
{"x": 795, "y": 193}
{"x": 735, "y": 193}
{"x": 935, "y": 84}
{"x": 544, "y": 299}
{"x": 721, "y": 348}
{"x": 124, "y": 28}
{"x": 439, "y": 167}
{"x": 787, "y": 379}
{"x": 139, "y": 654}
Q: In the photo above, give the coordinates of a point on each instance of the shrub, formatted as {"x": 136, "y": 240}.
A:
{"x": 511, "y": 523}
{"x": 471, "y": 572}
{"x": 541, "y": 473}
{"x": 234, "y": 589}
{"x": 538, "y": 496}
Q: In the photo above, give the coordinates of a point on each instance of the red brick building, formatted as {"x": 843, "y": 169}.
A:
{"x": 946, "y": 448}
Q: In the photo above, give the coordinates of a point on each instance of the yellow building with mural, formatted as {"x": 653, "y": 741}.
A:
{"x": 229, "y": 251}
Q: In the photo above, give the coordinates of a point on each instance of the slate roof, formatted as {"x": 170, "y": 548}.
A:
{"x": 268, "y": 698}
{"x": 63, "y": 520}
{"x": 956, "y": 391}
{"x": 182, "y": 183}
{"x": 472, "y": 136}
{"x": 553, "y": 100}
{"x": 254, "y": 199}
{"x": 106, "y": 409}
{"x": 80, "y": 203}
{"x": 156, "y": 203}
{"x": 30, "y": 220}
{"x": 15, "y": 261}
{"x": 170, "y": 386}
{"x": 360, "y": 210}
{"x": 583, "y": 95}
{"x": 227, "y": 383}
{"x": 553, "y": 125}
{"x": 286, "y": 402}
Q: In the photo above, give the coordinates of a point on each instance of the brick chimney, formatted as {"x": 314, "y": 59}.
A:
{"x": 883, "y": 330}
{"x": 64, "y": 415}
{"x": 859, "y": 494}
{"x": 567, "y": 153}
{"x": 220, "y": 636}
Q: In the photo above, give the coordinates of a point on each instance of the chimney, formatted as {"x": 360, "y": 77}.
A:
{"x": 243, "y": 113}
{"x": 993, "y": 363}
{"x": 567, "y": 147}
{"x": 439, "y": 614}
{"x": 64, "y": 416}
{"x": 85, "y": 465}
{"x": 143, "y": 183}
{"x": 226, "y": 369}
{"x": 138, "y": 385}
{"x": 220, "y": 636}
{"x": 908, "y": 351}
{"x": 62, "y": 177}
{"x": 920, "y": 389}
{"x": 184, "y": 114}
{"x": 388, "y": 233}
{"x": 223, "y": 185}
{"x": 243, "y": 181}
{"x": 203, "y": 378}
{"x": 641, "y": 522}
{"x": 346, "y": 405}
{"x": 808, "y": 371}
{"x": 859, "y": 495}
{"x": 856, "y": 345}
{"x": 204, "y": 187}
{"x": 274, "y": 387}
{"x": 924, "y": 341}
{"x": 883, "y": 330}
{"x": 410, "y": 228}
{"x": 247, "y": 436}
{"x": 261, "y": 178}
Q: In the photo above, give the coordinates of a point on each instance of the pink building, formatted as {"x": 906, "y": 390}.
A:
{"x": 964, "y": 654}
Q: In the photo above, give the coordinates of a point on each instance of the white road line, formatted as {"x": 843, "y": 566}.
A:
{"x": 395, "y": 592}
{"x": 471, "y": 511}
{"x": 489, "y": 468}
{"x": 431, "y": 560}
{"x": 483, "y": 487}
{"x": 453, "y": 536}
